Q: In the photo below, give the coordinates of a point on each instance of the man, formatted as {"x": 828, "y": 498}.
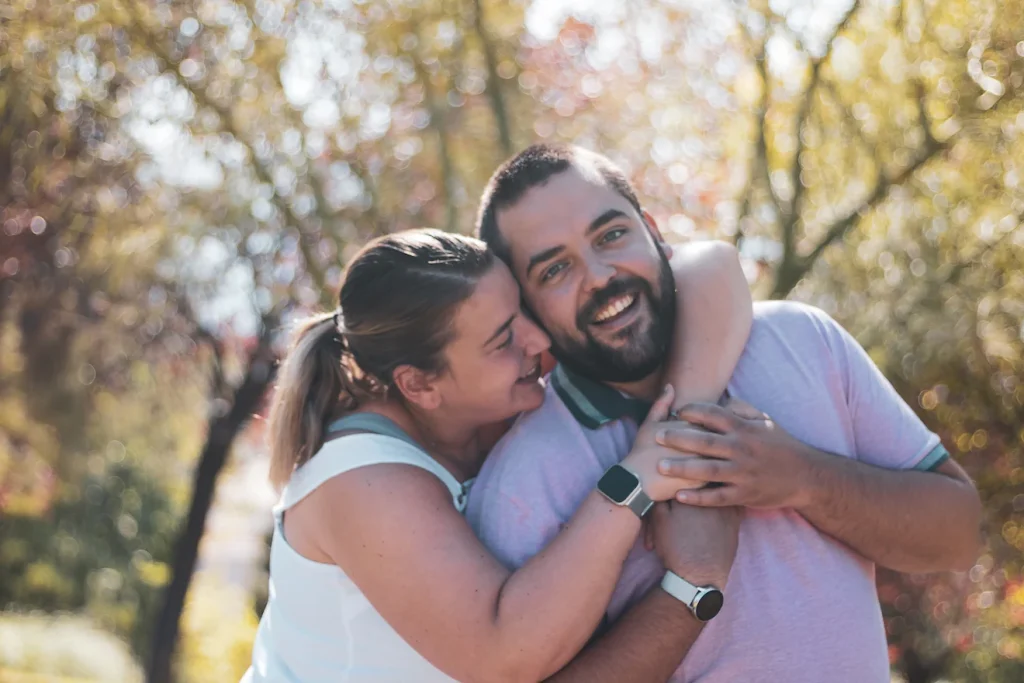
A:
{"x": 842, "y": 477}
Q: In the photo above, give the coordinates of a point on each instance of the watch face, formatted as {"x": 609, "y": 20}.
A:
{"x": 617, "y": 483}
{"x": 709, "y": 605}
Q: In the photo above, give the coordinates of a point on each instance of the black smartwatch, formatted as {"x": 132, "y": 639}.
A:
{"x": 622, "y": 487}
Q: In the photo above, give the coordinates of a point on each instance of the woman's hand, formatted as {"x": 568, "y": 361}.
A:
{"x": 647, "y": 452}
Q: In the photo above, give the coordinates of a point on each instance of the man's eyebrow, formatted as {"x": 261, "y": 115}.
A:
{"x": 542, "y": 257}
{"x": 607, "y": 216}
{"x": 504, "y": 326}
{"x": 596, "y": 224}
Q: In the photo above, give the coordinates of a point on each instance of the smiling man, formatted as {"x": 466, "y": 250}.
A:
{"x": 621, "y": 332}
{"x": 842, "y": 477}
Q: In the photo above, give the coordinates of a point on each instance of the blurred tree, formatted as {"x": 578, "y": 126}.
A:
{"x": 879, "y": 168}
{"x": 91, "y": 322}
{"x": 83, "y": 314}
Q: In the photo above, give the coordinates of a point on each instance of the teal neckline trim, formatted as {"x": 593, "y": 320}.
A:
{"x": 370, "y": 422}
{"x": 594, "y": 404}
{"x": 375, "y": 423}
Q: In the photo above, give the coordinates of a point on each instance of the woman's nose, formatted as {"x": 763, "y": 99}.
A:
{"x": 535, "y": 340}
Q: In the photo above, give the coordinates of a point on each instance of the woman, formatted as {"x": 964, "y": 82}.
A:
{"x": 429, "y": 347}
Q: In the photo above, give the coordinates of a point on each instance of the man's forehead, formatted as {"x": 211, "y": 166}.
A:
{"x": 560, "y": 209}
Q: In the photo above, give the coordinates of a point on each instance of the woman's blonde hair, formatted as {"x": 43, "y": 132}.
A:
{"x": 396, "y": 307}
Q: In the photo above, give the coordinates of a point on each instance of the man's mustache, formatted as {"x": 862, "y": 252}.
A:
{"x": 615, "y": 288}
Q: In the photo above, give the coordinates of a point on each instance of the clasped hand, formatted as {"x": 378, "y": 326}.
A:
{"x": 756, "y": 463}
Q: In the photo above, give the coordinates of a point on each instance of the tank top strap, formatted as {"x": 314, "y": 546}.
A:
{"x": 368, "y": 422}
{"x": 377, "y": 441}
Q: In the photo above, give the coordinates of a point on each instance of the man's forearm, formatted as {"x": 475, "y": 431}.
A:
{"x": 904, "y": 520}
{"x": 645, "y": 644}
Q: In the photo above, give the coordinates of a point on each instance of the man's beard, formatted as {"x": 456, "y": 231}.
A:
{"x": 644, "y": 350}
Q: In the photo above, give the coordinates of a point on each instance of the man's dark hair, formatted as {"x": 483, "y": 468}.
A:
{"x": 530, "y": 168}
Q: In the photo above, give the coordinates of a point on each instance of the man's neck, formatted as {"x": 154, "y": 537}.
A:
{"x": 646, "y": 389}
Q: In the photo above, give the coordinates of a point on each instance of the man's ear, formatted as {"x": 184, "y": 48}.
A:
{"x": 418, "y": 387}
{"x": 652, "y": 225}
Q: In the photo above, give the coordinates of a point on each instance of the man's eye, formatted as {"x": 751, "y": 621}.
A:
{"x": 507, "y": 343}
{"x": 551, "y": 271}
{"x": 612, "y": 235}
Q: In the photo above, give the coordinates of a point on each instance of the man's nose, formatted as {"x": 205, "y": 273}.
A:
{"x": 599, "y": 274}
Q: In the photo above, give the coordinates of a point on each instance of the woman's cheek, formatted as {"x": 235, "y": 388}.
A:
{"x": 496, "y": 373}
{"x": 513, "y": 364}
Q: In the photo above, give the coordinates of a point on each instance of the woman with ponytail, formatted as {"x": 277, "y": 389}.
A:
{"x": 383, "y": 402}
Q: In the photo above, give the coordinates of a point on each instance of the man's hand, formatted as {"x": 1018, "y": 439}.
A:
{"x": 698, "y": 544}
{"x": 756, "y": 462}
{"x": 905, "y": 520}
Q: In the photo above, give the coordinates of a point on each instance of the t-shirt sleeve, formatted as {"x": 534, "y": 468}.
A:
{"x": 886, "y": 430}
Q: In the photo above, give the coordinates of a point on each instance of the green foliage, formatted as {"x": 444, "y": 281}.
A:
{"x": 100, "y": 549}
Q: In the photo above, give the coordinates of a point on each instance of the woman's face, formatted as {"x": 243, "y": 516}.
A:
{"x": 494, "y": 359}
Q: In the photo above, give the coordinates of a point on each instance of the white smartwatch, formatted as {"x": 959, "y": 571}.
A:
{"x": 705, "y": 602}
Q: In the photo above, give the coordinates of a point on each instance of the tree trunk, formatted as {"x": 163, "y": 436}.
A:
{"x": 494, "y": 94}
{"x": 222, "y": 432}
{"x": 917, "y": 670}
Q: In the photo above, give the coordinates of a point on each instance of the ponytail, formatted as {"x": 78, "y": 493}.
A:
{"x": 317, "y": 380}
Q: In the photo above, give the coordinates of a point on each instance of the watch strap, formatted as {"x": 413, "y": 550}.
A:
{"x": 640, "y": 503}
{"x": 679, "y": 588}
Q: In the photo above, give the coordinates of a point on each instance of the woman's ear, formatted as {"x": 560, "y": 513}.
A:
{"x": 417, "y": 387}
{"x": 652, "y": 225}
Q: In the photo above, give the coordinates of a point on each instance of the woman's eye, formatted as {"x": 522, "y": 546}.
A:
{"x": 507, "y": 343}
{"x": 551, "y": 272}
{"x": 612, "y": 235}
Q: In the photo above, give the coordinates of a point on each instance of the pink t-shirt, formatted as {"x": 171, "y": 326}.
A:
{"x": 800, "y": 607}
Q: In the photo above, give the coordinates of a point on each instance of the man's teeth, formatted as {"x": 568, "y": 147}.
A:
{"x": 616, "y": 306}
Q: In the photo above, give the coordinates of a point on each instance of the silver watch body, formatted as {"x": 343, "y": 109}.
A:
{"x": 622, "y": 487}
{"x": 704, "y": 602}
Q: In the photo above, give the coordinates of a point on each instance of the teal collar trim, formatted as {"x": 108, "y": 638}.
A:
{"x": 594, "y": 404}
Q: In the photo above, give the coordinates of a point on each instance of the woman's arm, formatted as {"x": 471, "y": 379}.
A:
{"x": 713, "y": 317}
{"x": 394, "y": 531}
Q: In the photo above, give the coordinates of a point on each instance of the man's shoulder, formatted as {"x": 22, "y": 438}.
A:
{"x": 538, "y": 439}
{"x": 791, "y": 352}
{"x": 791, "y": 324}
{"x": 789, "y": 314}
{"x": 531, "y": 482}
{"x": 550, "y": 422}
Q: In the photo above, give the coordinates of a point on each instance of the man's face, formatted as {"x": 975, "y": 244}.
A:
{"x": 594, "y": 275}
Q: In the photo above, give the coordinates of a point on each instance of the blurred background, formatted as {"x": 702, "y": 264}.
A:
{"x": 181, "y": 178}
